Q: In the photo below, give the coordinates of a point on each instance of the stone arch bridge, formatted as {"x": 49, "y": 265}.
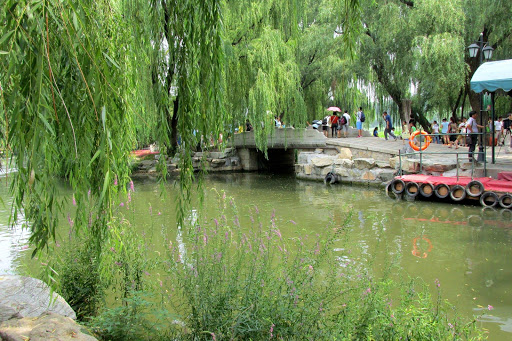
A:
{"x": 284, "y": 144}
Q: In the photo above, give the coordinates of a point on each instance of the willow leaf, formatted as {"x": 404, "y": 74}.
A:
{"x": 45, "y": 122}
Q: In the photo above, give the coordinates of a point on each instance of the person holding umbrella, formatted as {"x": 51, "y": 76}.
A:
{"x": 334, "y": 125}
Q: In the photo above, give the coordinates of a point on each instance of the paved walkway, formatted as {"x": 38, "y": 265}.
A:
{"x": 435, "y": 152}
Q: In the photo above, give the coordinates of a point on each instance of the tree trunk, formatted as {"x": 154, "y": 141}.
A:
{"x": 405, "y": 110}
{"x": 456, "y": 106}
{"x": 173, "y": 125}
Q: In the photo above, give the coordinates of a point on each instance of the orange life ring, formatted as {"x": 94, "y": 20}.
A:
{"x": 416, "y": 252}
{"x": 423, "y": 146}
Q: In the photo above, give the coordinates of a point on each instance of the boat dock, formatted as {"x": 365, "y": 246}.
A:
{"x": 488, "y": 191}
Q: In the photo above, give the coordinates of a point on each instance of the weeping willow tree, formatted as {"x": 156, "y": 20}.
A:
{"x": 75, "y": 89}
{"x": 83, "y": 83}
{"x": 262, "y": 75}
{"x": 64, "y": 101}
{"x": 415, "y": 50}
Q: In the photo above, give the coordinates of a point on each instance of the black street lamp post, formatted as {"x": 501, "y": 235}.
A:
{"x": 485, "y": 52}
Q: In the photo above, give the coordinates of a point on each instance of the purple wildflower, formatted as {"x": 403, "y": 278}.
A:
{"x": 490, "y": 307}
{"x": 70, "y": 221}
{"x": 115, "y": 181}
{"x": 293, "y": 222}
{"x": 271, "y": 330}
{"x": 74, "y": 201}
{"x": 438, "y": 283}
{"x": 121, "y": 204}
{"x": 132, "y": 187}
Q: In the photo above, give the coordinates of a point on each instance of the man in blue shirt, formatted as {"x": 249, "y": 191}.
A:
{"x": 389, "y": 126}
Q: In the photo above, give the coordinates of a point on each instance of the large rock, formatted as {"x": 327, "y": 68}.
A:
{"x": 341, "y": 172}
{"x": 394, "y": 162}
{"x": 438, "y": 166}
{"x": 322, "y": 161}
{"x": 411, "y": 165}
{"x": 386, "y": 175}
{"x": 368, "y": 175}
{"x": 344, "y": 153}
{"x": 146, "y": 164}
{"x": 30, "y": 297}
{"x": 382, "y": 164}
{"x": 305, "y": 157}
{"x": 364, "y": 163}
{"x": 346, "y": 163}
{"x": 308, "y": 169}
{"x": 49, "y": 326}
{"x": 218, "y": 162}
{"x": 323, "y": 171}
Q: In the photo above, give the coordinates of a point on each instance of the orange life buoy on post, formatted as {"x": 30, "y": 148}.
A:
{"x": 416, "y": 252}
{"x": 423, "y": 146}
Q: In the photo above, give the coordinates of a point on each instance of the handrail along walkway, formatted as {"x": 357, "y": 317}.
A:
{"x": 422, "y": 152}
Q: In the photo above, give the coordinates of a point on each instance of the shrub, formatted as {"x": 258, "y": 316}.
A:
{"x": 80, "y": 282}
{"x": 246, "y": 284}
{"x": 138, "y": 318}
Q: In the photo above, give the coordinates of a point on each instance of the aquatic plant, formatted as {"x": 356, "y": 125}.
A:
{"x": 253, "y": 282}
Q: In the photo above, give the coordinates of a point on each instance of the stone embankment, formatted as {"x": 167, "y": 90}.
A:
{"x": 218, "y": 161}
{"x": 29, "y": 311}
{"x": 340, "y": 161}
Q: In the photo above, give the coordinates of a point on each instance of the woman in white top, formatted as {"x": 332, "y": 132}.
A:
{"x": 435, "y": 131}
{"x": 498, "y": 126}
{"x": 462, "y": 131}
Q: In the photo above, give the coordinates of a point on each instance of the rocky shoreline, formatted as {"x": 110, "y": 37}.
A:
{"x": 317, "y": 165}
{"x": 29, "y": 310}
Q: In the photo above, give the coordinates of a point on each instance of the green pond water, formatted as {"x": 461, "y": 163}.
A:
{"x": 467, "y": 248}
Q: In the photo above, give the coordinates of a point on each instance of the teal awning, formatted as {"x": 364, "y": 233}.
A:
{"x": 492, "y": 76}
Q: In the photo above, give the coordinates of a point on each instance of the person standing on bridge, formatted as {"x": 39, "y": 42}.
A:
{"x": 359, "y": 122}
{"x": 472, "y": 129}
{"x": 334, "y": 124}
{"x": 345, "y": 123}
{"x": 389, "y": 126}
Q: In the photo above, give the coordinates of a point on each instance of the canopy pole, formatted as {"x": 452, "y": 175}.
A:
{"x": 493, "y": 129}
